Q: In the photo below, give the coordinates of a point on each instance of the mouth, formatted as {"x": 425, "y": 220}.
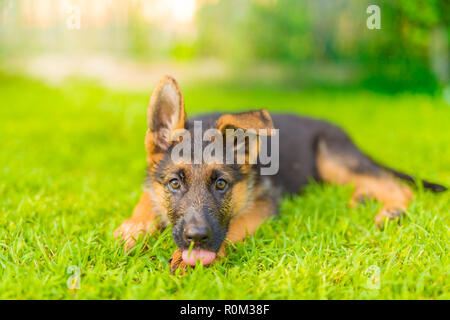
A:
{"x": 191, "y": 257}
{"x": 200, "y": 252}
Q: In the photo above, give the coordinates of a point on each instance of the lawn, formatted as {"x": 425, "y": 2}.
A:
{"x": 72, "y": 162}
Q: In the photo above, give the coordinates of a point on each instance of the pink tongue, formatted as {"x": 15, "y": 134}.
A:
{"x": 206, "y": 257}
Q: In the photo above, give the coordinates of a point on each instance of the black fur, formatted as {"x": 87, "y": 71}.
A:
{"x": 299, "y": 137}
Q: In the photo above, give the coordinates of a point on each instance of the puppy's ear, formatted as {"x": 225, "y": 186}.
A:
{"x": 165, "y": 115}
{"x": 256, "y": 120}
{"x": 246, "y": 127}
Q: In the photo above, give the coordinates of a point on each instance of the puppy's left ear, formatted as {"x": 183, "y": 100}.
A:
{"x": 165, "y": 115}
{"x": 256, "y": 120}
{"x": 254, "y": 123}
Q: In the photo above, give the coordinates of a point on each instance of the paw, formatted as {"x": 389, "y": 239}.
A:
{"x": 360, "y": 197}
{"x": 177, "y": 263}
{"x": 390, "y": 214}
{"x": 130, "y": 230}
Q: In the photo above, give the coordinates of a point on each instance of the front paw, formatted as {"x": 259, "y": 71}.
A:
{"x": 177, "y": 263}
{"x": 130, "y": 230}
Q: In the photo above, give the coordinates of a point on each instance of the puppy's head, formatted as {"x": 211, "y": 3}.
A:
{"x": 199, "y": 198}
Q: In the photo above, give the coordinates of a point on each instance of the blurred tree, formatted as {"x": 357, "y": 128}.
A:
{"x": 409, "y": 52}
{"x": 399, "y": 58}
{"x": 396, "y": 57}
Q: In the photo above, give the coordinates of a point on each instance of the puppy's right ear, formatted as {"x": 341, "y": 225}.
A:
{"x": 165, "y": 115}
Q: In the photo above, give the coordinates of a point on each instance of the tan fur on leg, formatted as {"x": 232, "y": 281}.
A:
{"x": 394, "y": 195}
{"x": 143, "y": 221}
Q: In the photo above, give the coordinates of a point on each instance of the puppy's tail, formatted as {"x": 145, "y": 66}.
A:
{"x": 427, "y": 185}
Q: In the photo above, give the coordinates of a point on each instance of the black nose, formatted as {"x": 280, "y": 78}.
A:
{"x": 197, "y": 234}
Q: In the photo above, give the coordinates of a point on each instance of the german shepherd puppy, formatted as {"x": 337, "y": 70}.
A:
{"x": 207, "y": 203}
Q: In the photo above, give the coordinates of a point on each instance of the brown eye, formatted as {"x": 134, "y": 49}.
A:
{"x": 221, "y": 184}
{"x": 174, "y": 184}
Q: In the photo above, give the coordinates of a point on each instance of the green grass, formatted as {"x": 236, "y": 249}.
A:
{"x": 72, "y": 162}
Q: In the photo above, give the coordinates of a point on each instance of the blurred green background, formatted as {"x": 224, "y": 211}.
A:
{"x": 295, "y": 43}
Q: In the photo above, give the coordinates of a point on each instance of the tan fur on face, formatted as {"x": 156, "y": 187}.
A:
{"x": 239, "y": 197}
{"x": 249, "y": 220}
